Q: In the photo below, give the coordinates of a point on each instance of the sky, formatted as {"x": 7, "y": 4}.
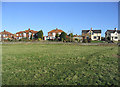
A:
{"x": 68, "y": 16}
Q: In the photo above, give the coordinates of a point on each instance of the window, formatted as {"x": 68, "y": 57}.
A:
{"x": 92, "y": 33}
{"x": 115, "y": 37}
{"x": 94, "y": 37}
{"x": 87, "y": 37}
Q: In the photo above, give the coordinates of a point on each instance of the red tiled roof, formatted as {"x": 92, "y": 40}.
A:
{"x": 55, "y": 31}
{"x": 26, "y": 31}
{"x": 5, "y": 32}
{"x": 19, "y": 32}
{"x": 76, "y": 36}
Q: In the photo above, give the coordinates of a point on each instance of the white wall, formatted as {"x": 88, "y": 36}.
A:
{"x": 24, "y": 34}
{"x": 96, "y": 34}
{"x": 114, "y": 35}
{"x": 53, "y": 34}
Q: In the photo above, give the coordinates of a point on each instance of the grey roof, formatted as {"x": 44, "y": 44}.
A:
{"x": 94, "y": 31}
{"x": 85, "y": 31}
{"x": 113, "y": 31}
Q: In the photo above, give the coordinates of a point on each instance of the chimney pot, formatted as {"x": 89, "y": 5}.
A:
{"x": 91, "y": 28}
{"x": 115, "y": 28}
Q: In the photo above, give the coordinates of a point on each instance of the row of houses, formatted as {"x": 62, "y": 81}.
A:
{"x": 113, "y": 35}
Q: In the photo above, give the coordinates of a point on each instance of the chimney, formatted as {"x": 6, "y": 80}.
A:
{"x": 91, "y": 28}
{"x": 115, "y": 29}
{"x": 4, "y": 31}
{"x": 56, "y": 28}
{"x": 29, "y": 29}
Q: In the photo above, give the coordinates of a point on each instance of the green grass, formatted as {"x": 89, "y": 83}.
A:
{"x": 98, "y": 42}
{"x": 35, "y": 64}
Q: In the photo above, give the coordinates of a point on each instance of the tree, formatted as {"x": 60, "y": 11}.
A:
{"x": 102, "y": 38}
{"x": 31, "y": 37}
{"x": 71, "y": 35}
{"x": 40, "y": 34}
{"x": 63, "y": 36}
{"x": 57, "y": 35}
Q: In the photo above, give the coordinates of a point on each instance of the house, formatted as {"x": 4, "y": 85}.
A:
{"x": 93, "y": 34}
{"x": 52, "y": 33}
{"x": 113, "y": 35}
{"x": 25, "y": 34}
{"x": 4, "y": 35}
{"x": 77, "y": 37}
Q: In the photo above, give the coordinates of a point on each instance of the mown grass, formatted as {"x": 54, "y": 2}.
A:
{"x": 45, "y": 64}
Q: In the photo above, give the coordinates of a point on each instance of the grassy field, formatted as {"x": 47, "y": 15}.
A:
{"x": 35, "y": 64}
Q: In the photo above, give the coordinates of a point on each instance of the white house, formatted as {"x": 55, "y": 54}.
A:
{"x": 113, "y": 35}
{"x": 93, "y": 34}
{"x": 52, "y": 33}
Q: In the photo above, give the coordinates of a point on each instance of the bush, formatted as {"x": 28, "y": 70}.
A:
{"x": 39, "y": 39}
{"x": 8, "y": 39}
{"x": 20, "y": 39}
{"x": 63, "y": 36}
{"x": 84, "y": 41}
{"x": 89, "y": 40}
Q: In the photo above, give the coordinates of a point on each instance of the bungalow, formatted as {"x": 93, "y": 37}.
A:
{"x": 52, "y": 33}
{"x": 6, "y": 35}
{"x": 113, "y": 35}
{"x": 77, "y": 37}
{"x": 93, "y": 34}
{"x": 25, "y": 34}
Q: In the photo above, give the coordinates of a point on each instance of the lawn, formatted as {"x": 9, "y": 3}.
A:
{"x": 59, "y": 64}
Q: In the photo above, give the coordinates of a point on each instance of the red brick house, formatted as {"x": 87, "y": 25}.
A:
{"x": 52, "y": 33}
{"x": 25, "y": 34}
{"x": 6, "y": 35}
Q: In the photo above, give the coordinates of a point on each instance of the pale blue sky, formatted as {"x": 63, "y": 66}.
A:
{"x": 68, "y": 16}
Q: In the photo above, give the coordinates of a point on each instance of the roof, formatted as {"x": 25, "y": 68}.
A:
{"x": 76, "y": 36}
{"x": 55, "y": 31}
{"x": 85, "y": 31}
{"x": 19, "y": 32}
{"x": 113, "y": 31}
{"x": 26, "y": 31}
{"x": 94, "y": 31}
{"x": 5, "y": 32}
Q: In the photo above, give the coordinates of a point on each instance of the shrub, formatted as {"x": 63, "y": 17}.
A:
{"x": 63, "y": 36}
{"x": 20, "y": 39}
{"x": 84, "y": 41}
{"x": 8, "y": 39}
{"x": 89, "y": 40}
{"x": 39, "y": 39}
